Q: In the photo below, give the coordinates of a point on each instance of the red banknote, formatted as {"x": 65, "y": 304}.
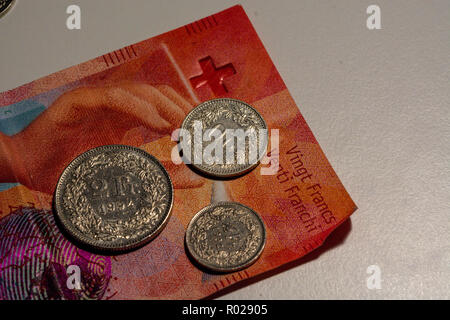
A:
{"x": 138, "y": 95}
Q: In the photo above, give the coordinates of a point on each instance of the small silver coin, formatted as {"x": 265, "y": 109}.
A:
{"x": 113, "y": 198}
{"x": 225, "y": 237}
{"x": 223, "y": 138}
{"x": 5, "y": 5}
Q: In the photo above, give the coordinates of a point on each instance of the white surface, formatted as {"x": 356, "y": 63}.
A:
{"x": 377, "y": 101}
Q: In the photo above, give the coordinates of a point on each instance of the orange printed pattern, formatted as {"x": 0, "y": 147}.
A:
{"x": 138, "y": 95}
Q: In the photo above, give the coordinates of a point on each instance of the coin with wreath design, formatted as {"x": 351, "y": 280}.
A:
{"x": 113, "y": 198}
{"x": 223, "y": 137}
{"x": 225, "y": 237}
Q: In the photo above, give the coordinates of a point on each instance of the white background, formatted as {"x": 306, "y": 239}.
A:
{"x": 377, "y": 101}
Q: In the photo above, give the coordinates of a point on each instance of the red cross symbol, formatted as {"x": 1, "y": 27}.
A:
{"x": 213, "y": 76}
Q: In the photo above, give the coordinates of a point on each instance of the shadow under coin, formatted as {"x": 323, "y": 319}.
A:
{"x": 335, "y": 239}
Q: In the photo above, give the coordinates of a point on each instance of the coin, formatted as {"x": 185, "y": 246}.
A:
{"x": 223, "y": 137}
{"x": 225, "y": 236}
{"x": 5, "y": 5}
{"x": 113, "y": 198}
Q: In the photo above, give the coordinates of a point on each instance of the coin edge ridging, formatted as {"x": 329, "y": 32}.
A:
{"x": 84, "y": 240}
{"x": 221, "y": 173}
{"x": 242, "y": 266}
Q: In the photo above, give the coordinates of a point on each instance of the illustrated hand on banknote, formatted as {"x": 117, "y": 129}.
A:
{"x": 76, "y": 115}
{"x": 138, "y": 96}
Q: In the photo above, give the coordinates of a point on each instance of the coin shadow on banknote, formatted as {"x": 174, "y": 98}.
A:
{"x": 201, "y": 267}
{"x": 335, "y": 239}
{"x": 198, "y": 265}
{"x": 207, "y": 176}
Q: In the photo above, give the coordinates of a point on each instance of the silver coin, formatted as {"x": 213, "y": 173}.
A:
{"x": 113, "y": 198}
{"x": 5, "y": 5}
{"x": 223, "y": 137}
{"x": 225, "y": 237}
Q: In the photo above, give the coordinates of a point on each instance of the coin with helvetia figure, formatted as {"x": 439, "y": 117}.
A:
{"x": 225, "y": 237}
{"x": 223, "y": 137}
{"x": 113, "y": 198}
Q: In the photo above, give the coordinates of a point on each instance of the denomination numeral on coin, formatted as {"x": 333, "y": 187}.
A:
{"x": 114, "y": 186}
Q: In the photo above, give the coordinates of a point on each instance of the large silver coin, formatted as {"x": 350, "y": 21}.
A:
{"x": 5, "y": 5}
{"x": 114, "y": 198}
{"x": 225, "y": 236}
{"x": 223, "y": 137}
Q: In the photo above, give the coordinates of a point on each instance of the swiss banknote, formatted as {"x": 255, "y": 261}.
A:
{"x": 139, "y": 95}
